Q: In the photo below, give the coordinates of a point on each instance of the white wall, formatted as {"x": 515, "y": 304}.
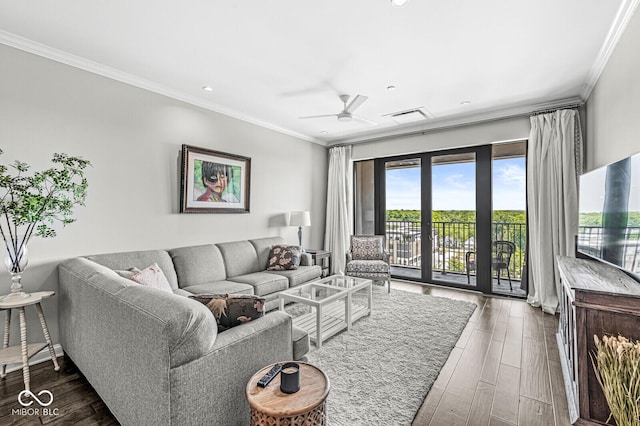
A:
{"x": 613, "y": 109}
{"x": 507, "y": 129}
{"x": 133, "y": 139}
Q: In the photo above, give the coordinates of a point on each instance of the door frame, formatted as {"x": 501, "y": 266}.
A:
{"x": 484, "y": 207}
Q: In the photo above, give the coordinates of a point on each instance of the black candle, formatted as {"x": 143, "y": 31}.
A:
{"x": 290, "y": 378}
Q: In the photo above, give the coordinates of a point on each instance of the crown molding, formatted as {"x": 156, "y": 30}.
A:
{"x": 18, "y": 42}
{"x": 624, "y": 15}
{"x": 460, "y": 121}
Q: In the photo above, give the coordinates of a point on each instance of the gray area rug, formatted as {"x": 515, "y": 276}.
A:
{"x": 381, "y": 371}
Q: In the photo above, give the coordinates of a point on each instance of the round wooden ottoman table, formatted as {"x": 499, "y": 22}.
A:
{"x": 270, "y": 406}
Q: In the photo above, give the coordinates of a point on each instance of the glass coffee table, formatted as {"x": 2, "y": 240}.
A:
{"x": 334, "y": 308}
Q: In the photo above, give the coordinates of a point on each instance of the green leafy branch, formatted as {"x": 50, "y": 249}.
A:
{"x": 31, "y": 204}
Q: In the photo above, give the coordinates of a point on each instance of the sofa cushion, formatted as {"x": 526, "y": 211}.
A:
{"x": 231, "y": 310}
{"x": 263, "y": 282}
{"x": 283, "y": 258}
{"x": 263, "y": 247}
{"x": 198, "y": 265}
{"x": 152, "y": 276}
{"x": 140, "y": 260}
{"x": 182, "y": 292}
{"x": 300, "y": 275}
{"x": 219, "y": 287}
{"x": 240, "y": 258}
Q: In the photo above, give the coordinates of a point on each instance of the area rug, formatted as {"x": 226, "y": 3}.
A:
{"x": 382, "y": 369}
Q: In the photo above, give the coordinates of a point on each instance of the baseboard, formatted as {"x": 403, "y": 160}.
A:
{"x": 41, "y": 356}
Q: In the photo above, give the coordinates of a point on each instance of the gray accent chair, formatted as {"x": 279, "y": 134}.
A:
{"x": 156, "y": 358}
{"x": 367, "y": 258}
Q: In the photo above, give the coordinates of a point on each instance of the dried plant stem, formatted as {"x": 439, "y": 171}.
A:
{"x": 616, "y": 363}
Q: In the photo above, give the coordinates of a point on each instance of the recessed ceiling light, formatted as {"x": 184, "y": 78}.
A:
{"x": 207, "y": 88}
{"x": 465, "y": 103}
{"x": 324, "y": 132}
{"x": 392, "y": 87}
{"x": 399, "y": 3}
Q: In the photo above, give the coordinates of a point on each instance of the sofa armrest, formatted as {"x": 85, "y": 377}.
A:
{"x": 306, "y": 259}
{"x": 211, "y": 389}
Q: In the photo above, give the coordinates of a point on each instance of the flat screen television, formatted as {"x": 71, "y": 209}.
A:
{"x": 609, "y": 221}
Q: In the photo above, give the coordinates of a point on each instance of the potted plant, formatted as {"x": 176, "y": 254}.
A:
{"x": 616, "y": 362}
{"x": 30, "y": 204}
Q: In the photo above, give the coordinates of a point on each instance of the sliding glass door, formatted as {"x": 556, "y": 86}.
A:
{"x": 454, "y": 217}
{"x": 403, "y": 218}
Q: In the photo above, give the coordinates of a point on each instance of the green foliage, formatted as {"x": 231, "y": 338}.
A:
{"x": 595, "y": 219}
{"x": 457, "y": 216}
{"x": 456, "y": 263}
{"x": 32, "y": 203}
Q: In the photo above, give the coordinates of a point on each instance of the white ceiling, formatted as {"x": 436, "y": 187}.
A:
{"x": 270, "y": 62}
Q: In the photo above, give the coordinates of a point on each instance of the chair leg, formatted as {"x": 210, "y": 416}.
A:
{"x": 498, "y": 275}
{"x": 468, "y": 278}
{"x": 389, "y": 283}
{"x": 509, "y": 277}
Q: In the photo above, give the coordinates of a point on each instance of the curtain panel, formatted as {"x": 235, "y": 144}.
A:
{"x": 339, "y": 221}
{"x": 554, "y": 165}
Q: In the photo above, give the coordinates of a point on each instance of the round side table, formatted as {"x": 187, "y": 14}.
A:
{"x": 22, "y": 353}
{"x": 271, "y": 406}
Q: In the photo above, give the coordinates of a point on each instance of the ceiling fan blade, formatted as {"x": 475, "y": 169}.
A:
{"x": 366, "y": 120}
{"x": 355, "y": 103}
{"x": 318, "y": 116}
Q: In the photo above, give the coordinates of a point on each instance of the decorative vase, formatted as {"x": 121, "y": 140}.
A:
{"x": 16, "y": 261}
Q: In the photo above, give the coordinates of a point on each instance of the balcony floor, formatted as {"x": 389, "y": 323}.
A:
{"x": 501, "y": 289}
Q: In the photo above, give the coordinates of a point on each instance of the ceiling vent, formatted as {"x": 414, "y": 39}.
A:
{"x": 410, "y": 116}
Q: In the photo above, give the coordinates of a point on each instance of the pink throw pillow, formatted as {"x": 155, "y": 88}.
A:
{"x": 152, "y": 276}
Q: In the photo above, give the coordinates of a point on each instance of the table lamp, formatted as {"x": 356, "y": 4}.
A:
{"x": 300, "y": 219}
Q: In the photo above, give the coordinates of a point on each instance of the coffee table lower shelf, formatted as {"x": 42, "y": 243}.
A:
{"x": 332, "y": 320}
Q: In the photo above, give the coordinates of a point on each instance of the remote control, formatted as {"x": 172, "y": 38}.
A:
{"x": 267, "y": 378}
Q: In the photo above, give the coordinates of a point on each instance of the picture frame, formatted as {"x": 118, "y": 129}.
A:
{"x": 214, "y": 182}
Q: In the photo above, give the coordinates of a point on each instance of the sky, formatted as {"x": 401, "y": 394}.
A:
{"x": 454, "y": 187}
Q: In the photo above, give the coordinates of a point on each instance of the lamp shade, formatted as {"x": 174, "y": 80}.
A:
{"x": 300, "y": 219}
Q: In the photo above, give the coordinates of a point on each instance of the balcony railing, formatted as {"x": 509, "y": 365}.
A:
{"x": 590, "y": 239}
{"x": 450, "y": 242}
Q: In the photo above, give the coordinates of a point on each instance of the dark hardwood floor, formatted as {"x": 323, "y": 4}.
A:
{"x": 74, "y": 400}
{"x": 504, "y": 370}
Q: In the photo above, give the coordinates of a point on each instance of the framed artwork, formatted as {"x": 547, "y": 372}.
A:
{"x": 214, "y": 182}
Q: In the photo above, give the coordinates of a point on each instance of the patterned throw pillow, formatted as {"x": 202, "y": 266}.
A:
{"x": 365, "y": 248}
{"x": 152, "y": 276}
{"x": 283, "y": 258}
{"x": 230, "y": 310}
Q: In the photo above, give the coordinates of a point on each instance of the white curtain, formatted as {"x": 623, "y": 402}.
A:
{"x": 554, "y": 164}
{"x": 339, "y": 224}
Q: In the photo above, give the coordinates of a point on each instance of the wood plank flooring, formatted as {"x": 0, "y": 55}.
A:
{"x": 504, "y": 371}
{"x": 75, "y": 401}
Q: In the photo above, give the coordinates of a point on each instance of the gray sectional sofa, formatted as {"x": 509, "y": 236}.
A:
{"x": 157, "y": 358}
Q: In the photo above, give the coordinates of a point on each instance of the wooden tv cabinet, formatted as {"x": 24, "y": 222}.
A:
{"x": 596, "y": 299}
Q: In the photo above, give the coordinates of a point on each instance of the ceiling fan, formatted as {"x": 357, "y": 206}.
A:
{"x": 347, "y": 112}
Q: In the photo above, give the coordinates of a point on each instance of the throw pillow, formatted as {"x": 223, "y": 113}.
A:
{"x": 283, "y": 258}
{"x": 231, "y": 310}
{"x": 152, "y": 276}
{"x": 127, "y": 273}
{"x": 367, "y": 248}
